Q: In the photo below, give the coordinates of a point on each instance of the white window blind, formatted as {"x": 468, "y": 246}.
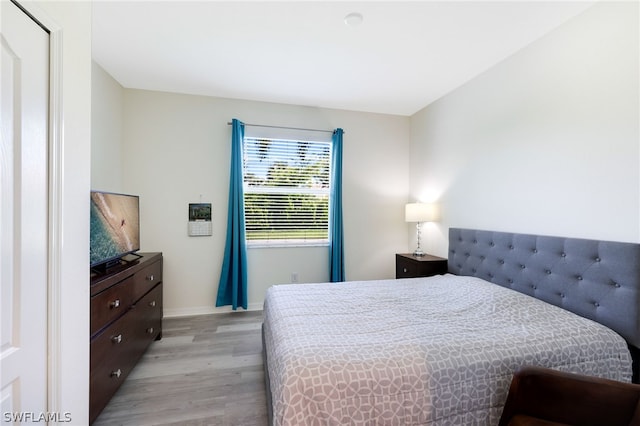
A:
{"x": 286, "y": 191}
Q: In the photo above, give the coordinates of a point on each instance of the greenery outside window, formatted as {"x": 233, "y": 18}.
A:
{"x": 286, "y": 191}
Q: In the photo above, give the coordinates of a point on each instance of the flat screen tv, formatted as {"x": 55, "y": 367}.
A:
{"x": 115, "y": 227}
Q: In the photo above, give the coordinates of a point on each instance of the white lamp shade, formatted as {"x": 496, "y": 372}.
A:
{"x": 420, "y": 212}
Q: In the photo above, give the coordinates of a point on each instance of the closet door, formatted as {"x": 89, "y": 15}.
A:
{"x": 23, "y": 216}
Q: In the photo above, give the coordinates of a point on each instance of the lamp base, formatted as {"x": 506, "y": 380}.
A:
{"x": 419, "y": 253}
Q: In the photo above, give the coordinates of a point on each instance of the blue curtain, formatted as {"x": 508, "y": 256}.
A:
{"x": 336, "y": 234}
{"x": 232, "y": 288}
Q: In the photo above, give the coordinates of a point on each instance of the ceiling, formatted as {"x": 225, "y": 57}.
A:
{"x": 403, "y": 56}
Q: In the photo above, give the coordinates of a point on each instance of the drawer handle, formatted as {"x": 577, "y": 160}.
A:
{"x": 150, "y": 330}
{"x": 117, "y": 339}
{"x": 152, "y": 303}
{"x": 404, "y": 270}
{"x": 116, "y": 373}
{"x": 115, "y": 304}
{"x": 150, "y": 277}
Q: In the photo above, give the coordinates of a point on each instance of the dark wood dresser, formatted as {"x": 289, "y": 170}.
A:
{"x": 410, "y": 266}
{"x": 126, "y": 316}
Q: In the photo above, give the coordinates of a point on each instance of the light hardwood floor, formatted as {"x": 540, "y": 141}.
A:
{"x": 206, "y": 370}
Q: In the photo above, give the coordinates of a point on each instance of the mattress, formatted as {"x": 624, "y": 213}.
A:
{"x": 425, "y": 351}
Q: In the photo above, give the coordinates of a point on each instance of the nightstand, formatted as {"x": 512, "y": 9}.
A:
{"x": 410, "y": 266}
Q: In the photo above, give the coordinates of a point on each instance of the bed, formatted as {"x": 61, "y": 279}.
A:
{"x": 442, "y": 350}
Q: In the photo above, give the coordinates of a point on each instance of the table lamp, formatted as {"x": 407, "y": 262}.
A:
{"x": 420, "y": 212}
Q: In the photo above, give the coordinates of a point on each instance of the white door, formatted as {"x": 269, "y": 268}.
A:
{"x": 23, "y": 216}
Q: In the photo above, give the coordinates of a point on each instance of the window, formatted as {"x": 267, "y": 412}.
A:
{"x": 286, "y": 191}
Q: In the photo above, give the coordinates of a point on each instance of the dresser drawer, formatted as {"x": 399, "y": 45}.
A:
{"x": 147, "y": 278}
{"x": 112, "y": 359}
{"x": 405, "y": 268}
{"x": 114, "y": 341}
{"x": 408, "y": 266}
{"x": 110, "y": 304}
{"x": 148, "y": 318}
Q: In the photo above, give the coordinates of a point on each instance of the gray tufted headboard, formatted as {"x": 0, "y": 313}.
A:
{"x": 599, "y": 280}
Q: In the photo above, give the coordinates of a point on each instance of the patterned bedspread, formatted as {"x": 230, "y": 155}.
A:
{"x": 424, "y": 351}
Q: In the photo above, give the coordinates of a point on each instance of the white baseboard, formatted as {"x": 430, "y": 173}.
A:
{"x": 205, "y": 310}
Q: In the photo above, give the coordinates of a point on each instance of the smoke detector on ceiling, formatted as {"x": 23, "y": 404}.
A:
{"x": 353, "y": 19}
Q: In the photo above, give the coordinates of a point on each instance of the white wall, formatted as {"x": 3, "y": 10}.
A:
{"x": 72, "y": 23}
{"x": 545, "y": 142}
{"x": 177, "y": 151}
{"x": 106, "y": 131}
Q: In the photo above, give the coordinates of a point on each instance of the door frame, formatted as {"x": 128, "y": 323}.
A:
{"x": 55, "y": 145}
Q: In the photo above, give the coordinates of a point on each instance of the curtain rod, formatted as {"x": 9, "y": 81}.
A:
{"x": 290, "y": 128}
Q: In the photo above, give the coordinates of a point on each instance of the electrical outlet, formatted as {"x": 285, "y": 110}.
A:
{"x": 294, "y": 277}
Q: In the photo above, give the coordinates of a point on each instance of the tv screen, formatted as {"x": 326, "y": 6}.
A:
{"x": 115, "y": 226}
